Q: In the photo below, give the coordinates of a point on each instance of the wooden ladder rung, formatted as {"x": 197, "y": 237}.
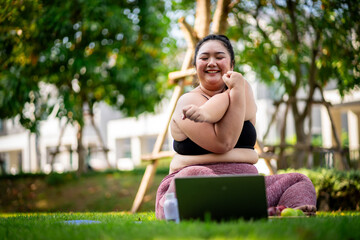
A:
{"x": 174, "y": 77}
{"x": 159, "y": 155}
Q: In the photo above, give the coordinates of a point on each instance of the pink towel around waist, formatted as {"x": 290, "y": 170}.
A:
{"x": 168, "y": 185}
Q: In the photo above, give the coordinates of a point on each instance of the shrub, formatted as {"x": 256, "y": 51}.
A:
{"x": 55, "y": 179}
{"x": 336, "y": 190}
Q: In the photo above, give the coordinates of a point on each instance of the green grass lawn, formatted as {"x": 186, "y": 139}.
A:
{"x": 122, "y": 225}
{"x": 40, "y": 206}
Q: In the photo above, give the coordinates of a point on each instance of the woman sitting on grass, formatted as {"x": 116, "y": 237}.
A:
{"x": 214, "y": 133}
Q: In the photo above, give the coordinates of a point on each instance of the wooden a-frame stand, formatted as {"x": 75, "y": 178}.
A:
{"x": 181, "y": 78}
{"x": 157, "y": 154}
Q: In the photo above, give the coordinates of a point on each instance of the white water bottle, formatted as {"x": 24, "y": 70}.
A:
{"x": 171, "y": 210}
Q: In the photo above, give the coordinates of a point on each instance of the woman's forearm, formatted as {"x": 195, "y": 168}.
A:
{"x": 228, "y": 129}
{"x": 211, "y": 111}
{"x": 215, "y": 108}
{"x": 237, "y": 155}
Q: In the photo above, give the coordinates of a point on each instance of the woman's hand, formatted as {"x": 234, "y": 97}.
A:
{"x": 211, "y": 111}
{"x": 234, "y": 80}
{"x": 237, "y": 83}
{"x": 194, "y": 113}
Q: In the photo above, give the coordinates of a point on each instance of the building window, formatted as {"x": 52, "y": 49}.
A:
{"x": 123, "y": 148}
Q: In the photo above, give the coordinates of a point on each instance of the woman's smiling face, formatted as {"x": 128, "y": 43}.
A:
{"x": 212, "y": 62}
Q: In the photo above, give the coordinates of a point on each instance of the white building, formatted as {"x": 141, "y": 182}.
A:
{"x": 17, "y": 147}
{"x": 346, "y": 117}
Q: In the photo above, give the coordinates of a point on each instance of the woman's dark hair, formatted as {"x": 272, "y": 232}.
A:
{"x": 223, "y": 39}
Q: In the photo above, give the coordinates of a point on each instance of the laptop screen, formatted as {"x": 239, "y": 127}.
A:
{"x": 226, "y": 197}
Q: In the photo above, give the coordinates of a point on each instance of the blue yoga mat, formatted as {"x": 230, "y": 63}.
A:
{"x": 78, "y": 222}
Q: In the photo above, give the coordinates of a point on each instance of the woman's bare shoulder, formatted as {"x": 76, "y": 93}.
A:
{"x": 186, "y": 99}
{"x": 193, "y": 97}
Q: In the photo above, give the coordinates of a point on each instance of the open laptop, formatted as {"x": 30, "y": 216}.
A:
{"x": 219, "y": 198}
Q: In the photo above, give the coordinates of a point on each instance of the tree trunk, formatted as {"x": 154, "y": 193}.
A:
{"x": 202, "y": 18}
{"x": 299, "y": 155}
{"x": 282, "y": 163}
{"x": 273, "y": 117}
{"x": 102, "y": 144}
{"x": 2, "y": 164}
{"x": 309, "y": 150}
{"x": 57, "y": 149}
{"x": 80, "y": 151}
{"x": 219, "y": 25}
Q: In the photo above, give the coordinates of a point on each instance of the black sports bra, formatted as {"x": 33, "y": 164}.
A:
{"x": 247, "y": 139}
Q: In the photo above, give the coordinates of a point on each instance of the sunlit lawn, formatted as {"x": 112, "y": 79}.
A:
{"x": 121, "y": 225}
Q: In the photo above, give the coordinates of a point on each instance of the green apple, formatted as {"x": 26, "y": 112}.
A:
{"x": 289, "y": 212}
{"x": 300, "y": 213}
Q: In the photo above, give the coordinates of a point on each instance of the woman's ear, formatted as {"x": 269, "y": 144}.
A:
{"x": 232, "y": 66}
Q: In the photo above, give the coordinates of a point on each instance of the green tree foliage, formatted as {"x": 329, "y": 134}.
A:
{"x": 300, "y": 46}
{"x": 18, "y": 79}
{"x": 90, "y": 50}
{"x": 300, "y": 43}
